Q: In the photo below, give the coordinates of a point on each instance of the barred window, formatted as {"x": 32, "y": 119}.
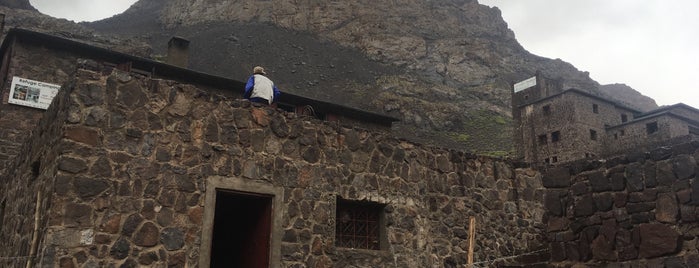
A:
{"x": 358, "y": 224}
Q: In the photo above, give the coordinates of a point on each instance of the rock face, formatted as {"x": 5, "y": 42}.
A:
{"x": 629, "y": 96}
{"x": 18, "y": 4}
{"x": 444, "y": 68}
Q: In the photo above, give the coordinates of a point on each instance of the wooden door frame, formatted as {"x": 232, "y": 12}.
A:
{"x": 216, "y": 183}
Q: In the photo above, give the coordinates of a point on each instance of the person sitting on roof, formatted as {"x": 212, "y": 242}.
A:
{"x": 260, "y": 88}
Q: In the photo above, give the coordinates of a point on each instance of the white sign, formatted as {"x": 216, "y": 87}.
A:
{"x": 525, "y": 84}
{"x": 32, "y": 93}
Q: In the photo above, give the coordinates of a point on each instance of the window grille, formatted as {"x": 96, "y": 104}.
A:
{"x": 358, "y": 225}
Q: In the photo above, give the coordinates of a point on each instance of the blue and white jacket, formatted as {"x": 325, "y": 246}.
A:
{"x": 261, "y": 89}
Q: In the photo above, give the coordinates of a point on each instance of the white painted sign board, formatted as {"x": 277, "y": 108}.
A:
{"x": 525, "y": 84}
{"x": 32, "y": 93}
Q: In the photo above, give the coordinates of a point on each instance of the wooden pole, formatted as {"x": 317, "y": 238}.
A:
{"x": 471, "y": 239}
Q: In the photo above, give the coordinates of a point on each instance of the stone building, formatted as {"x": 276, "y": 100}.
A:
{"x": 138, "y": 163}
{"x": 141, "y": 163}
{"x": 553, "y": 125}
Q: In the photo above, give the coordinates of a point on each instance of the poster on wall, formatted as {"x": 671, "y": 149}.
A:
{"x": 32, "y": 93}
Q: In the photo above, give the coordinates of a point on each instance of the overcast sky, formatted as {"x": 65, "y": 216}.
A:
{"x": 82, "y": 10}
{"x": 649, "y": 45}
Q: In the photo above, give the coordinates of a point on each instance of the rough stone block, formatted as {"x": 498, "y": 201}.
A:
{"x": 84, "y": 135}
{"x": 658, "y": 240}
{"x": 77, "y": 215}
{"x": 599, "y": 182}
{"x": 666, "y": 210}
{"x": 647, "y": 195}
{"x": 172, "y": 238}
{"x": 604, "y": 201}
{"x": 603, "y": 249}
{"x": 584, "y": 206}
{"x": 664, "y": 174}
{"x": 147, "y": 235}
{"x": 634, "y": 177}
{"x": 554, "y": 202}
{"x": 695, "y": 192}
{"x": 72, "y": 165}
{"x": 558, "y": 251}
{"x": 580, "y": 188}
{"x": 639, "y": 207}
{"x": 684, "y": 167}
{"x": 88, "y": 187}
{"x": 558, "y": 177}
{"x": 618, "y": 181}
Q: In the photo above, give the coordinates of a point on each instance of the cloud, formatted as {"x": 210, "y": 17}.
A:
{"x": 82, "y": 10}
{"x": 647, "y": 45}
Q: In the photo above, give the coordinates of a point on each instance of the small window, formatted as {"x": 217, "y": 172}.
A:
{"x": 593, "y": 134}
{"x": 624, "y": 118}
{"x": 616, "y": 136}
{"x": 547, "y": 161}
{"x": 652, "y": 127}
{"x": 622, "y": 132}
{"x": 554, "y": 159}
{"x": 547, "y": 110}
{"x": 555, "y": 136}
{"x": 587, "y": 155}
{"x": 543, "y": 139}
{"x": 595, "y": 109}
{"x": 359, "y": 225}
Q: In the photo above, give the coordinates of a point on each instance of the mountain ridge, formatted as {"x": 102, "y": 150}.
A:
{"x": 444, "y": 68}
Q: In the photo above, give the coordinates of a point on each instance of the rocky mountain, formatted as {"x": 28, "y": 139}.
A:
{"x": 629, "y": 96}
{"x": 443, "y": 67}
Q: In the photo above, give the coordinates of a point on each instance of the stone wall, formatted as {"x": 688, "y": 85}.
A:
{"x": 27, "y": 188}
{"x": 639, "y": 210}
{"x": 134, "y": 156}
{"x": 17, "y": 122}
{"x": 671, "y": 130}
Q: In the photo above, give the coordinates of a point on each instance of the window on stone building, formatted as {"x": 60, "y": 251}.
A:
{"x": 547, "y": 110}
{"x": 652, "y": 127}
{"x": 543, "y": 139}
{"x": 359, "y": 225}
{"x": 595, "y": 108}
{"x": 616, "y": 136}
{"x": 593, "y": 134}
{"x": 547, "y": 161}
{"x": 555, "y": 136}
{"x": 622, "y": 132}
{"x": 624, "y": 118}
{"x": 554, "y": 159}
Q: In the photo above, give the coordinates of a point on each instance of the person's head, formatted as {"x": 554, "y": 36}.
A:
{"x": 258, "y": 70}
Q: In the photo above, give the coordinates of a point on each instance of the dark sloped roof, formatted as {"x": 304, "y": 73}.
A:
{"x": 164, "y": 70}
{"x": 670, "y": 107}
{"x": 586, "y": 94}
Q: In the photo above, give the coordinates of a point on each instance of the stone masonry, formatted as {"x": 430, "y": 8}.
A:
{"x": 639, "y": 210}
{"x": 120, "y": 164}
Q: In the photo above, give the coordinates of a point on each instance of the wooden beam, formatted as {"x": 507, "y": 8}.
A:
{"x": 471, "y": 239}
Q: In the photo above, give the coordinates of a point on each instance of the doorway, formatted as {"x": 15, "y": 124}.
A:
{"x": 242, "y": 228}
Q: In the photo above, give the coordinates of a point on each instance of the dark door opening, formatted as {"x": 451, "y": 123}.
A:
{"x": 242, "y": 227}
